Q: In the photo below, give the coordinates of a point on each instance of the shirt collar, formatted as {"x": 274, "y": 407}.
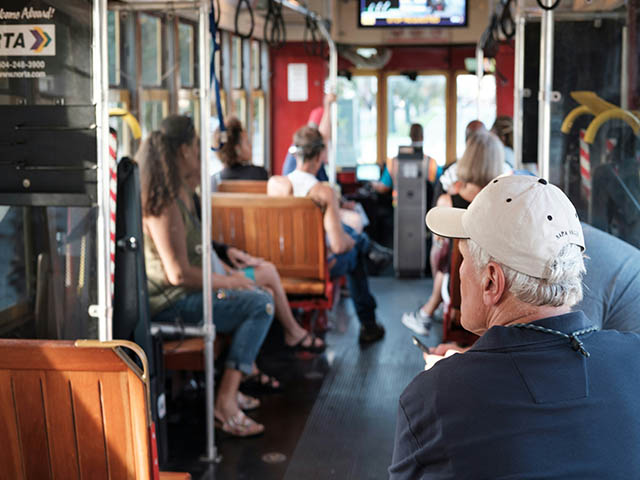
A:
{"x": 499, "y": 337}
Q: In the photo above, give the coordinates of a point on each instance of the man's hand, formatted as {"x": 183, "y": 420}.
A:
{"x": 241, "y": 259}
{"x": 238, "y": 281}
{"x": 443, "y": 348}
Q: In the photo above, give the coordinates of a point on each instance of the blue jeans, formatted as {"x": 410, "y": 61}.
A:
{"x": 246, "y": 313}
{"x": 352, "y": 264}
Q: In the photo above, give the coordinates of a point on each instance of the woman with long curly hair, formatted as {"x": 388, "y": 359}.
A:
{"x": 169, "y": 162}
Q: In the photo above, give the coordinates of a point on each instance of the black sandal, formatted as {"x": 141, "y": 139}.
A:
{"x": 260, "y": 382}
{"x": 311, "y": 348}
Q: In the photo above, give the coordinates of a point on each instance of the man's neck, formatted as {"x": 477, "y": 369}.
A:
{"x": 514, "y": 312}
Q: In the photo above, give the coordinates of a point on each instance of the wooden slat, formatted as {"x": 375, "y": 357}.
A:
{"x": 116, "y": 411}
{"x": 140, "y": 432}
{"x": 87, "y": 408}
{"x": 11, "y": 462}
{"x": 62, "y": 433}
{"x": 27, "y": 387}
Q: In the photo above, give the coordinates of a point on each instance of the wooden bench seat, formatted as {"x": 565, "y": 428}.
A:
{"x": 287, "y": 231}
{"x": 73, "y": 412}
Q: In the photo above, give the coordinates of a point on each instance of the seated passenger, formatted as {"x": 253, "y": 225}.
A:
{"x": 169, "y": 172}
{"x": 543, "y": 393}
{"x": 503, "y": 129}
{"x": 348, "y": 249}
{"x": 319, "y": 118}
{"x": 481, "y": 162}
{"x": 236, "y": 154}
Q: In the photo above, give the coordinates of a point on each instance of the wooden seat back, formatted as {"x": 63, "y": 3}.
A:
{"x": 242, "y": 186}
{"x": 286, "y": 231}
{"x": 71, "y": 412}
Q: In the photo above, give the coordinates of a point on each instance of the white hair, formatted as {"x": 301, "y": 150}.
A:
{"x": 562, "y": 288}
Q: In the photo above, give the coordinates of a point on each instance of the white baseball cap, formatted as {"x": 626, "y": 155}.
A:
{"x": 521, "y": 221}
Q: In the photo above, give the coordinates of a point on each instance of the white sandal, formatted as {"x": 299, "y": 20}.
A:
{"x": 240, "y": 425}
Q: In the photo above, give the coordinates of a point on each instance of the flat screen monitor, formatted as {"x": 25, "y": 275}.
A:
{"x": 368, "y": 173}
{"x": 412, "y": 13}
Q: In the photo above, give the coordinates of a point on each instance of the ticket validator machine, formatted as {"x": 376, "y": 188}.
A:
{"x": 409, "y": 252}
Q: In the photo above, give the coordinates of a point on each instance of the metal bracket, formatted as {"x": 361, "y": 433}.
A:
{"x": 97, "y": 311}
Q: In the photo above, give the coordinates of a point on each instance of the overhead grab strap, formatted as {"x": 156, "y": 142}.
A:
{"x": 213, "y": 29}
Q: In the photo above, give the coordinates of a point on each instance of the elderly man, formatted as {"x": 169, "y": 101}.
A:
{"x": 542, "y": 393}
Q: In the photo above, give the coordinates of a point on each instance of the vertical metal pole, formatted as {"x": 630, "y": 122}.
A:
{"x": 207, "y": 308}
{"x": 624, "y": 72}
{"x": 544, "y": 93}
{"x": 100, "y": 99}
{"x": 479, "y": 75}
{"x": 518, "y": 89}
{"x": 333, "y": 85}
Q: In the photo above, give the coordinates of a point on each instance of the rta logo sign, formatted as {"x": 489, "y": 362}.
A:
{"x": 27, "y": 40}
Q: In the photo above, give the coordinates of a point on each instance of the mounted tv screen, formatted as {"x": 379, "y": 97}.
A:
{"x": 413, "y": 13}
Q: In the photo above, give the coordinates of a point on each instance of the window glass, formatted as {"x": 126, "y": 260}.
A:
{"x": 186, "y": 34}
{"x": 240, "y": 107}
{"x": 357, "y": 120}
{"x": 151, "y": 49}
{"x": 113, "y": 33}
{"x": 49, "y": 276}
{"x": 257, "y": 140}
{"x": 152, "y": 115}
{"x": 468, "y": 108}
{"x": 255, "y": 65}
{"x": 236, "y": 62}
{"x": 422, "y": 101}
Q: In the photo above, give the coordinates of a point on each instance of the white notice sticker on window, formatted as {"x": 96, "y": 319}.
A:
{"x": 297, "y": 82}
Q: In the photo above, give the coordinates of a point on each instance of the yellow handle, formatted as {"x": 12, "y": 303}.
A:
{"x": 129, "y": 119}
{"x": 567, "y": 124}
{"x": 618, "y": 113}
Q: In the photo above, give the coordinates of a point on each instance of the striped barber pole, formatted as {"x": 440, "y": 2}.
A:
{"x": 113, "y": 188}
{"x": 585, "y": 165}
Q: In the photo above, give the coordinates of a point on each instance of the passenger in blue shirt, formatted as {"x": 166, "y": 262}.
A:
{"x": 543, "y": 393}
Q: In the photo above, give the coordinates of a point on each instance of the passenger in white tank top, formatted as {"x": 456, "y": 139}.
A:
{"x": 301, "y": 182}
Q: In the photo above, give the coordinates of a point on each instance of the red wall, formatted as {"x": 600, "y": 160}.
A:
{"x": 286, "y": 116}
{"x": 505, "y": 61}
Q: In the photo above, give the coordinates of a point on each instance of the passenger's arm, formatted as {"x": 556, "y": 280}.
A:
{"x": 339, "y": 241}
{"x": 325, "y": 122}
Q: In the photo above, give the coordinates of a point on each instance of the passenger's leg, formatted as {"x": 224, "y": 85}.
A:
{"x": 266, "y": 275}
{"x": 246, "y": 313}
{"x": 352, "y": 263}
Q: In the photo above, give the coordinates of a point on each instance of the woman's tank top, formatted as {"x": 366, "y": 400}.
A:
{"x": 161, "y": 292}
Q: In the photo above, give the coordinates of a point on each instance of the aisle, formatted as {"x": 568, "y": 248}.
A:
{"x": 349, "y": 434}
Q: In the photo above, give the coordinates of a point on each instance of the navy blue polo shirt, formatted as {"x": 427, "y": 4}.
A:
{"x": 523, "y": 404}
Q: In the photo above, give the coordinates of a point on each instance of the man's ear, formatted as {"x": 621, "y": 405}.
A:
{"x": 494, "y": 284}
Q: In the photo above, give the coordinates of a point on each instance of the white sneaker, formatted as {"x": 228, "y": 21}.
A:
{"x": 417, "y": 321}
